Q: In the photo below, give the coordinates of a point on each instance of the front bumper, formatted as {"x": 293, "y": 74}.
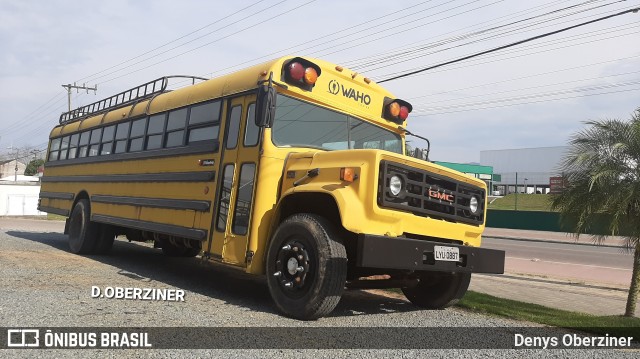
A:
{"x": 415, "y": 254}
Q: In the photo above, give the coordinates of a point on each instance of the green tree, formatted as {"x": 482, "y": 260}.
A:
{"x": 602, "y": 169}
{"x": 32, "y": 167}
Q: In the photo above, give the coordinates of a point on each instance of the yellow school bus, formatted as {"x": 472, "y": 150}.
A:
{"x": 294, "y": 169}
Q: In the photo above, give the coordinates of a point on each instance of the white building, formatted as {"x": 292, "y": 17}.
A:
{"x": 8, "y": 168}
{"x": 19, "y": 199}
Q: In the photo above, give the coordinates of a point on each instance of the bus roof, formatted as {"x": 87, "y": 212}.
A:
{"x": 338, "y": 88}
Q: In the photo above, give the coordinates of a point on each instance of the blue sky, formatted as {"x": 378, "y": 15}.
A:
{"x": 534, "y": 95}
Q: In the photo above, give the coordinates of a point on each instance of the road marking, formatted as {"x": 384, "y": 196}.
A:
{"x": 567, "y": 263}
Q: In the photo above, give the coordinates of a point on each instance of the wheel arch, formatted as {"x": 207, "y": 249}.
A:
{"x": 82, "y": 194}
{"x": 319, "y": 203}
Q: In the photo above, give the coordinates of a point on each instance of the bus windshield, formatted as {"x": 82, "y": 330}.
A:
{"x": 301, "y": 124}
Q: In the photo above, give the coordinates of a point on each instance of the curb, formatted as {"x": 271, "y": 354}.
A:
{"x": 557, "y": 281}
{"x": 556, "y": 241}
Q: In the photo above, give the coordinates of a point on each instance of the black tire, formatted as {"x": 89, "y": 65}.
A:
{"x": 106, "y": 237}
{"x": 314, "y": 290}
{"x": 83, "y": 234}
{"x": 438, "y": 290}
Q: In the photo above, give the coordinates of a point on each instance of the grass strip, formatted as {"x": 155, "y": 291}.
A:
{"x": 512, "y": 309}
{"x": 526, "y": 202}
{"x": 55, "y": 217}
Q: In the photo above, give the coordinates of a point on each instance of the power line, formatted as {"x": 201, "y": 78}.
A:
{"x": 390, "y": 55}
{"x": 473, "y": 63}
{"x": 526, "y": 103}
{"x": 378, "y": 37}
{"x": 209, "y": 43}
{"x": 323, "y": 37}
{"x": 510, "y": 45}
{"x": 522, "y": 29}
{"x": 176, "y": 47}
{"x": 41, "y": 108}
{"x": 526, "y": 97}
{"x": 504, "y": 52}
{"x": 173, "y": 41}
{"x": 535, "y": 87}
{"x": 523, "y": 77}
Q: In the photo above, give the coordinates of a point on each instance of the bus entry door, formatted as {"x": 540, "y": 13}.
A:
{"x": 240, "y": 153}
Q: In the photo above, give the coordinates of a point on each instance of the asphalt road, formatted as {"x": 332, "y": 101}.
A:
{"x": 43, "y": 285}
{"x": 588, "y": 263}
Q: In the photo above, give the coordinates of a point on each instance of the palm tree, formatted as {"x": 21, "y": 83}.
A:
{"x": 602, "y": 170}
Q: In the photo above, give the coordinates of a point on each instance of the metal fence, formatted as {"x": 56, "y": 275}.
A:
{"x": 525, "y": 183}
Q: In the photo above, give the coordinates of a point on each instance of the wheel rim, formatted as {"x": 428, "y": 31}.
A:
{"x": 293, "y": 270}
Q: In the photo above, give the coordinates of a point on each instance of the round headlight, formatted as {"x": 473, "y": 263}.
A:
{"x": 395, "y": 185}
{"x": 473, "y": 204}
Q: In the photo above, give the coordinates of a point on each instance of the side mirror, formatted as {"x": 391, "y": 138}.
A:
{"x": 265, "y": 106}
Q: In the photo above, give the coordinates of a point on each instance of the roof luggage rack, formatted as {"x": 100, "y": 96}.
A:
{"x": 139, "y": 93}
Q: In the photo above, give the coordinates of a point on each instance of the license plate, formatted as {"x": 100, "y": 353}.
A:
{"x": 448, "y": 254}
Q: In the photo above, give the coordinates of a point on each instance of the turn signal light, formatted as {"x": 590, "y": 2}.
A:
{"x": 301, "y": 73}
{"x": 310, "y": 75}
{"x": 394, "y": 109}
{"x": 348, "y": 174}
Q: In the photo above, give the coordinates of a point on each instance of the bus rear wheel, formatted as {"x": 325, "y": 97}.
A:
{"x": 306, "y": 267}
{"x": 438, "y": 290}
{"x": 83, "y": 233}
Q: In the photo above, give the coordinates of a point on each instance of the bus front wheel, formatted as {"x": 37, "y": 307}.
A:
{"x": 438, "y": 290}
{"x": 306, "y": 267}
{"x": 83, "y": 233}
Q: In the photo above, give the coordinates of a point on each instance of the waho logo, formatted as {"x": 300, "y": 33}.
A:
{"x": 335, "y": 88}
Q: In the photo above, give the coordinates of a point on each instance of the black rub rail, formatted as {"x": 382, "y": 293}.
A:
{"x": 125, "y": 98}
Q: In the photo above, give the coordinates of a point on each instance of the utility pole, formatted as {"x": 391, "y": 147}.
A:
{"x": 78, "y": 88}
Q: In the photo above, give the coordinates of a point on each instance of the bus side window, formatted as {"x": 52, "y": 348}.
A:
{"x": 94, "y": 142}
{"x": 175, "y": 128}
{"x": 73, "y": 145}
{"x": 107, "y": 140}
{"x": 136, "y": 138}
{"x": 84, "y": 141}
{"x": 224, "y": 198}
{"x": 54, "y": 149}
{"x": 122, "y": 132}
{"x": 204, "y": 122}
{"x": 64, "y": 145}
{"x": 155, "y": 130}
{"x": 234, "y": 127}
{"x": 242, "y": 209}
{"x": 252, "y": 131}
